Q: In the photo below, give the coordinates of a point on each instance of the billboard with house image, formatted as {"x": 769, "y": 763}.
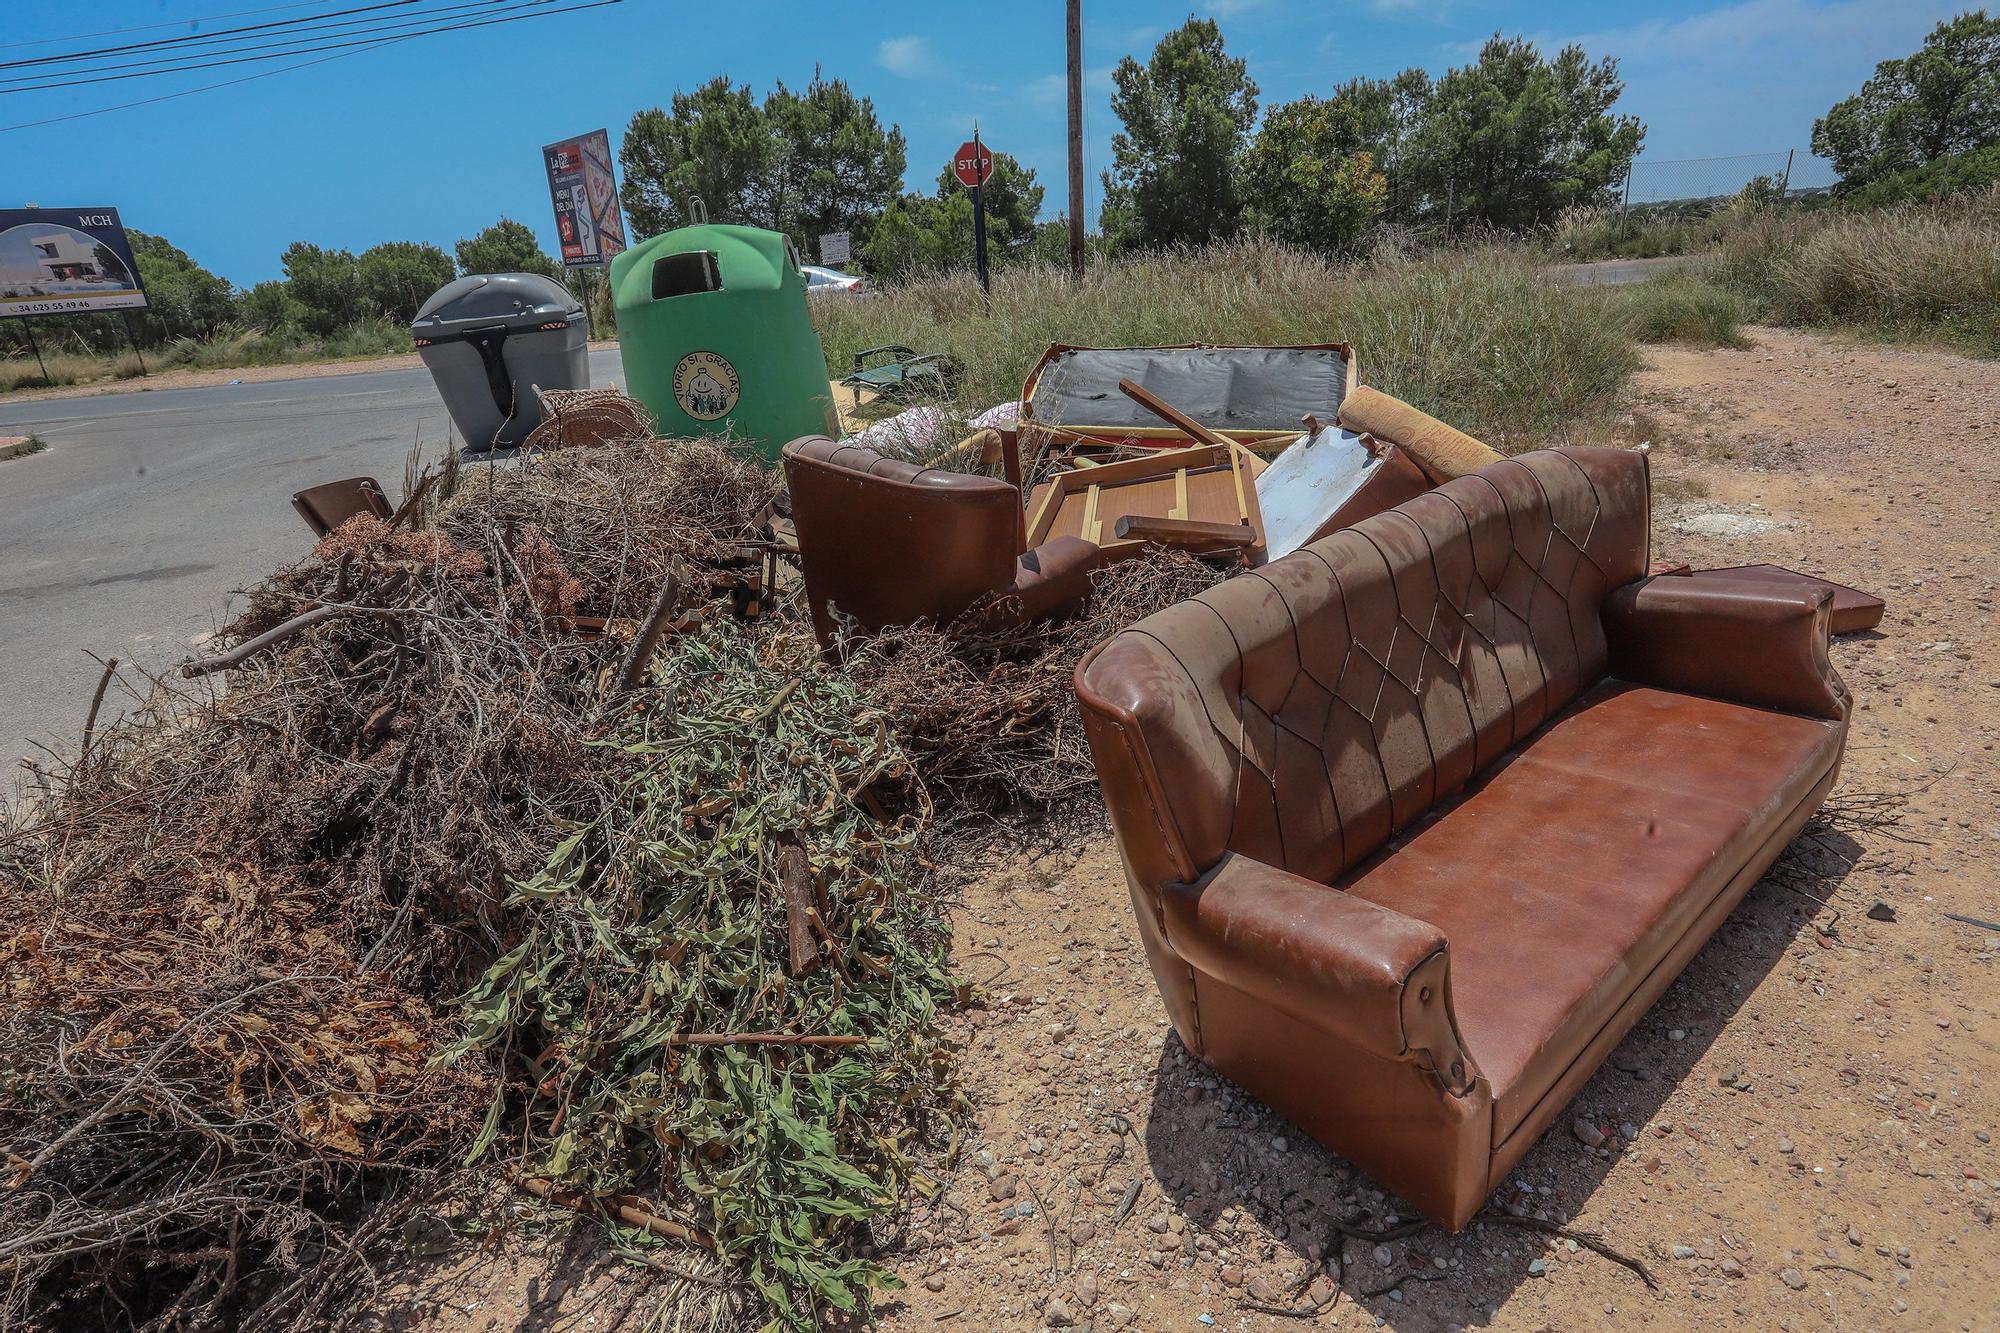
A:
{"x": 63, "y": 261}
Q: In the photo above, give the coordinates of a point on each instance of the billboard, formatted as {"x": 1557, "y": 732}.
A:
{"x": 66, "y": 261}
{"x": 588, "y": 223}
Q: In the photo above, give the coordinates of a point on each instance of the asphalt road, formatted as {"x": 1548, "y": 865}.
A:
{"x": 127, "y": 536}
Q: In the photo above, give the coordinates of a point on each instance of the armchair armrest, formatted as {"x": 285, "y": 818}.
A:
{"x": 900, "y": 352}
{"x": 1752, "y": 643}
{"x": 1354, "y": 969}
{"x": 1054, "y": 576}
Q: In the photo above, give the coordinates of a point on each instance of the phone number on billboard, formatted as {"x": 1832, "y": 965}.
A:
{"x": 69, "y": 307}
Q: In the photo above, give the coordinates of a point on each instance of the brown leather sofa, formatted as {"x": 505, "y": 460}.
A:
{"x": 886, "y": 542}
{"x": 1420, "y": 819}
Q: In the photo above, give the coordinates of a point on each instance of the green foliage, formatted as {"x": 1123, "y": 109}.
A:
{"x": 185, "y": 300}
{"x": 399, "y": 276}
{"x": 837, "y": 167}
{"x": 1306, "y": 187}
{"x": 505, "y": 247}
{"x": 716, "y": 146}
{"x": 921, "y": 236}
{"x": 803, "y": 163}
{"x": 666, "y": 917}
{"x": 1185, "y": 120}
{"x": 1969, "y": 171}
{"x": 1483, "y": 337}
{"x": 1942, "y": 101}
{"x": 1511, "y": 140}
{"x": 270, "y": 307}
{"x": 326, "y": 284}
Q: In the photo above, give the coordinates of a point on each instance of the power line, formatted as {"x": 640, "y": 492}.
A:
{"x": 155, "y": 27}
{"x": 457, "y": 25}
{"x": 215, "y": 36}
{"x": 280, "y": 48}
{"x": 287, "y": 69}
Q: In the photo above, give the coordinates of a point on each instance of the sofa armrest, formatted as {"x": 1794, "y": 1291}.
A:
{"x": 1371, "y": 976}
{"x": 1053, "y": 577}
{"x": 1743, "y": 641}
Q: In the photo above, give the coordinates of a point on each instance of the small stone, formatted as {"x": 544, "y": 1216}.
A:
{"x": 1854, "y": 1235}
{"x": 935, "y": 1282}
{"x": 1792, "y": 1278}
{"x": 1384, "y": 1256}
{"x": 1881, "y": 912}
{"x": 1002, "y": 1188}
{"x": 1537, "y": 1267}
{"x": 1281, "y": 1144}
{"x": 1260, "y": 1290}
{"x": 1057, "y": 1314}
{"x": 1589, "y": 1135}
{"x": 1982, "y": 1136}
{"x": 1231, "y": 1277}
{"x": 1677, "y": 1034}
{"x": 1086, "y": 1290}
{"x": 1082, "y": 1232}
{"x": 1157, "y": 1224}
{"x": 1730, "y": 1268}
{"x": 1683, "y": 1251}
{"x": 1321, "y": 1290}
{"x": 1785, "y": 1145}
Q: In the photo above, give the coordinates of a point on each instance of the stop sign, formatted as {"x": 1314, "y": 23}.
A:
{"x": 972, "y": 164}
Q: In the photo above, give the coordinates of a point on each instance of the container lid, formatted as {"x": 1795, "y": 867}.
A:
{"x": 482, "y": 300}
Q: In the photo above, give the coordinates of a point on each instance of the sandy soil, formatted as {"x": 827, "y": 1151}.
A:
{"x": 1797, "y": 1137}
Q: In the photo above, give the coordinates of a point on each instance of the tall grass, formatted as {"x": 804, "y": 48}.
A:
{"x": 1683, "y": 305}
{"x": 1927, "y": 271}
{"x": 1483, "y": 337}
{"x": 21, "y": 372}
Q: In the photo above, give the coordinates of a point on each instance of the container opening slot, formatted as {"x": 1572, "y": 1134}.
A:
{"x": 685, "y": 274}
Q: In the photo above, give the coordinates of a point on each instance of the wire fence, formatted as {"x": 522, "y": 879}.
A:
{"x": 1657, "y": 181}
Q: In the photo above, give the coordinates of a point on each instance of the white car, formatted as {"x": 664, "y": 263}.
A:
{"x": 832, "y": 280}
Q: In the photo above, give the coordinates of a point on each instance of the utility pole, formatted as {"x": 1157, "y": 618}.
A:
{"x": 1075, "y": 26}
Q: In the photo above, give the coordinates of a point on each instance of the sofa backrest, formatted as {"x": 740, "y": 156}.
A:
{"x": 890, "y": 543}
{"x": 1303, "y": 713}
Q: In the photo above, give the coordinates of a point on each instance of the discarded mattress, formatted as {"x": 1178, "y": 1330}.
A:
{"x": 1254, "y": 395}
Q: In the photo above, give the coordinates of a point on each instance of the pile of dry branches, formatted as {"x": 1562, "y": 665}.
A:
{"x": 236, "y": 929}
{"x": 231, "y": 931}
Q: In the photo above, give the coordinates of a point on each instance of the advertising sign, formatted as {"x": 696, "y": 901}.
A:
{"x": 835, "y": 247}
{"x": 588, "y": 222}
{"x": 66, "y": 261}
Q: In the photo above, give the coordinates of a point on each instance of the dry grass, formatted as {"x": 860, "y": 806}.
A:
{"x": 1481, "y": 336}
{"x": 1929, "y": 270}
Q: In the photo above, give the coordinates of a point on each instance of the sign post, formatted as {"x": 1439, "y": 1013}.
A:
{"x": 973, "y": 166}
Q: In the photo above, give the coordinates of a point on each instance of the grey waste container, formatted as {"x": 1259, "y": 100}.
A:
{"x": 492, "y": 339}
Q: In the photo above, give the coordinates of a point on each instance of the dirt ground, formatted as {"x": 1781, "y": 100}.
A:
{"x": 1798, "y": 1136}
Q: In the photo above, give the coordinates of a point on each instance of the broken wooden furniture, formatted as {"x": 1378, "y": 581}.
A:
{"x": 884, "y": 542}
{"x": 906, "y": 371}
{"x": 1209, "y": 484}
{"x": 1420, "y": 820}
{"x": 1253, "y": 395}
{"x": 1442, "y": 451}
{"x": 328, "y": 505}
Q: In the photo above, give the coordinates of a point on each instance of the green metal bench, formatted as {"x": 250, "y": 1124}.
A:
{"x": 909, "y": 372}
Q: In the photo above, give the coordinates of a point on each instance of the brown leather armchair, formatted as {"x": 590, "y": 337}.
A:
{"x": 886, "y": 542}
{"x": 1420, "y": 819}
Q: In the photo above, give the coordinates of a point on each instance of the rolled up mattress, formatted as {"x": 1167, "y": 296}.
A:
{"x": 1440, "y": 450}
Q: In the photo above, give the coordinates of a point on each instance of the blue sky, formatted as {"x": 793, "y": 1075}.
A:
{"x": 433, "y": 139}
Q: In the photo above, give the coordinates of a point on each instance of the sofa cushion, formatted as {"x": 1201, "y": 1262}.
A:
{"x": 1565, "y": 874}
{"x": 1303, "y": 713}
